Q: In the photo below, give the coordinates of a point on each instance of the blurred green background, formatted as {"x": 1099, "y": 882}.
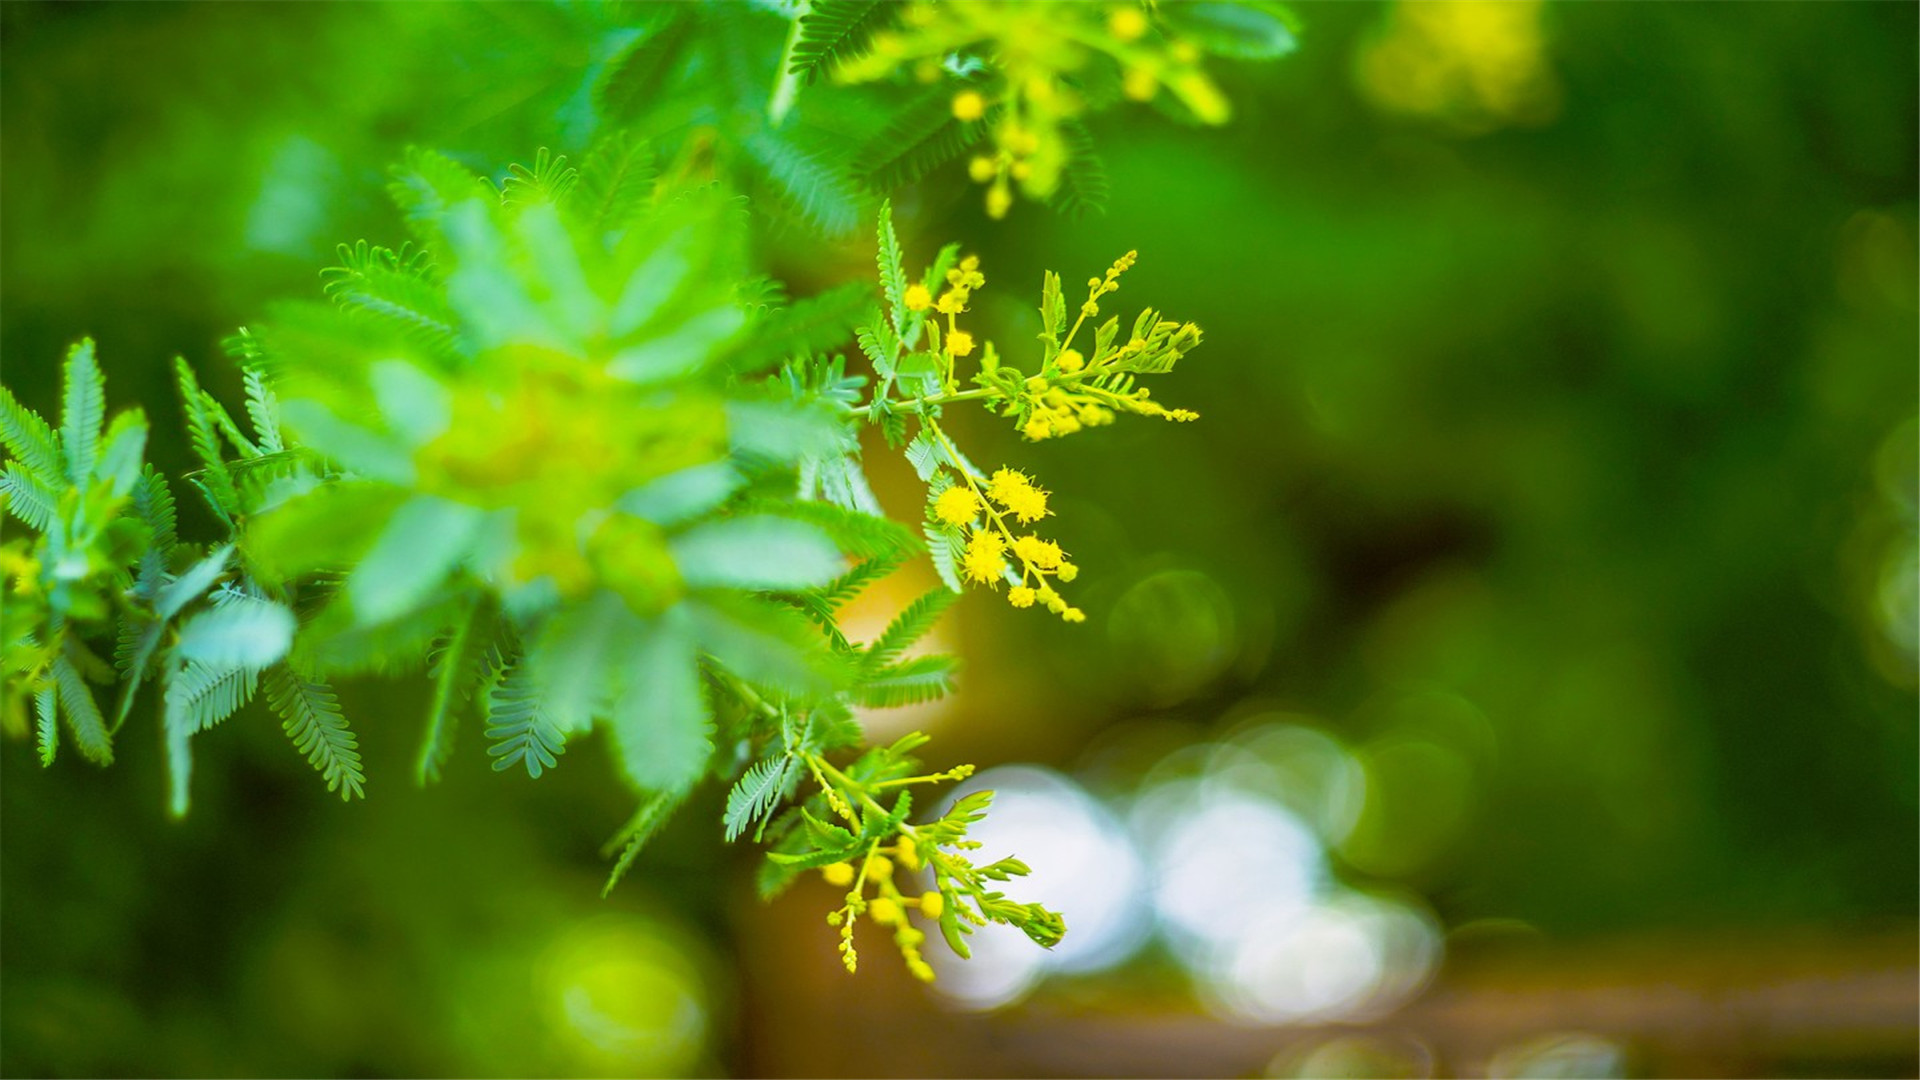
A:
{"x": 1542, "y": 573}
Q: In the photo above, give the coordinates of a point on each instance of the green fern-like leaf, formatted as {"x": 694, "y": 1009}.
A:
{"x": 547, "y": 181}
{"x": 521, "y": 732}
{"x": 197, "y": 698}
{"x": 458, "y": 667}
{"x": 1084, "y": 187}
{"x": 633, "y": 83}
{"x": 640, "y": 828}
{"x": 908, "y": 627}
{"x": 893, "y": 272}
{"x": 805, "y": 327}
{"x": 759, "y": 790}
{"x": 84, "y": 720}
{"x": 30, "y": 440}
{"x": 944, "y": 545}
{"x": 396, "y": 289}
{"x": 46, "y": 706}
{"x": 821, "y": 604}
{"x": 263, "y": 411}
{"x": 310, "y": 714}
{"x": 236, "y": 438}
{"x": 83, "y": 412}
{"x": 910, "y": 682}
{"x": 202, "y": 695}
{"x": 864, "y": 536}
{"x": 922, "y": 138}
{"x": 426, "y": 184}
{"x": 27, "y": 498}
{"x": 834, "y": 31}
{"x": 617, "y": 179}
{"x": 844, "y": 588}
{"x": 808, "y": 177}
{"x": 215, "y": 479}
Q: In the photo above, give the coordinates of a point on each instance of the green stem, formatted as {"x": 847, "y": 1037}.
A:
{"x": 787, "y": 87}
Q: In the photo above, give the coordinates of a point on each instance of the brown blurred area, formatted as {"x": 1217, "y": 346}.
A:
{"x": 1712, "y": 1005}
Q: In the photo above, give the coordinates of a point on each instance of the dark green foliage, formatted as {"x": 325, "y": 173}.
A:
{"x": 82, "y": 713}
{"x": 521, "y": 732}
{"x": 547, "y": 180}
{"x": 761, "y": 789}
{"x": 654, "y": 812}
{"x": 214, "y": 480}
{"x": 459, "y": 669}
{"x": 809, "y": 176}
{"x": 908, "y": 627}
{"x": 617, "y": 179}
{"x": 910, "y": 682}
{"x": 634, "y": 83}
{"x": 803, "y": 328}
{"x": 831, "y": 31}
{"x": 396, "y": 288}
{"x": 922, "y": 138}
{"x": 310, "y": 713}
{"x": 1084, "y": 187}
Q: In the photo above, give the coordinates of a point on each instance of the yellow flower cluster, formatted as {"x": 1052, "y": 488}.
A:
{"x": 1015, "y": 492}
{"x": 957, "y": 506}
{"x": 1060, "y": 406}
{"x": 1009, "y": 494}
{"x": 888, "y": 908}
{"x": 1477, "y": 65}
{"x": 985, "y": 560}
{"x": 1041, "y": 53}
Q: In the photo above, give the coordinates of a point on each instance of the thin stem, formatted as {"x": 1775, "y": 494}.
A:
{"x": 919, "y": 405}
{"x": 787, "y": 87}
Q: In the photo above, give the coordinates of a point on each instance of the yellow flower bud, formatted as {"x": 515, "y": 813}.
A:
{"x": 1205, "y": 99}
{"x": 883, "y": 910}
{"x": 1021, "y": 596}
{"x": 1068, "y": 571}
{"x": 1127, "y": 23}
{"x": 932, "y": 904}
{"x": 909, "y": 855}
{"x": 839, "y": 874}
{"x": 918, "y": 298}
{"x": 999, "y": 201}
{"x": 969, "y": 105}
{"x": 959, "y": 343}
{"x": 1071, "y": 361}
{"x": 981, "y": 169}
{"x": 879, "y": 868}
